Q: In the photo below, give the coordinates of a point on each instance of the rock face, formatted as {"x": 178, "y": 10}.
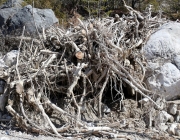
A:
{"x": 163, "y": 54}
{"x": 13, "y": 18}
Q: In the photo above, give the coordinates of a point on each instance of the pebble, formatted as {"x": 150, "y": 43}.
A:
{"x": 124, "y": 109}
{"x": 171, "y": 119}
{"x": 172, "y": 128}
{"x": 162, "y": 127}
{"x": 20, "y": 133}
{"x": 160, "y": 102}
{"x": 172, "y": 109}
{"x": 178, "y": 126}
{"x": 144, "y": 100}
{"x": 7, "y": 132}
{"x": 106, "y": 109}
{"x": 166, "y": 117}
{"x": 177, "y": 132}
{"x": 93, "y": 138}
{"x": 177, "y": 118}
{"x": 178, "y": 112}
{"x": 123, "y": 122}
{"x": 113, "y": 136}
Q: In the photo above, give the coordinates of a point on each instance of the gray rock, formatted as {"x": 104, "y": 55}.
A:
{"x": 5, "y": 16}
{"x": 165, "y": 81}
{"x": 177, "y": 132}
{"x": 7, "y": 10}
{"x": 124, "y": 109}
{"x": 162, "y": 117}
{"x": 106, "y": 109}
{"x": 113, "y": 136}
{"x": 12, "y": 20}
{"x": 7, "y": 132}
{"x": 93, "y": 138}
{"x": 2, "y": 65}
{"x": 177, "y": 61}
{"x": 161, "y": 102}
{"x": 144, "y": 101}
{"x": 32, "y": 18}
{"x": 178, "y": 112}
{"x": 172, "y": 129}
{"x": 162, "y": 127}
{"x": 177, "y": 118}
{"x": 172, "y": 109}
{"x": 164, "y": 43}
{"x": 10, "y": 58}
{"x": 162, "y": 52}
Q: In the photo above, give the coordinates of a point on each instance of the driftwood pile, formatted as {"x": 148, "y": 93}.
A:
{"x": 61, "y": 79}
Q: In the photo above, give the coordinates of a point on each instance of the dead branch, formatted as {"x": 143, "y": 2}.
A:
{"x": 59, "y": 85}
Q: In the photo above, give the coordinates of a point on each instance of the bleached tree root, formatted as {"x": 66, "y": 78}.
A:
{"x": 64, "y": 80}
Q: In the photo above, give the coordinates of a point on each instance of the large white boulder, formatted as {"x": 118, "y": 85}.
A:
{"x": 163, "y": 55}
{"x": 164, "y": 43}
{"x": 165, "y": 81}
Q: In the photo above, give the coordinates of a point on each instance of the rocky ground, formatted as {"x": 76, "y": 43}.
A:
{"x": 18, "y": 135}
{"x": 130, "y": 123}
